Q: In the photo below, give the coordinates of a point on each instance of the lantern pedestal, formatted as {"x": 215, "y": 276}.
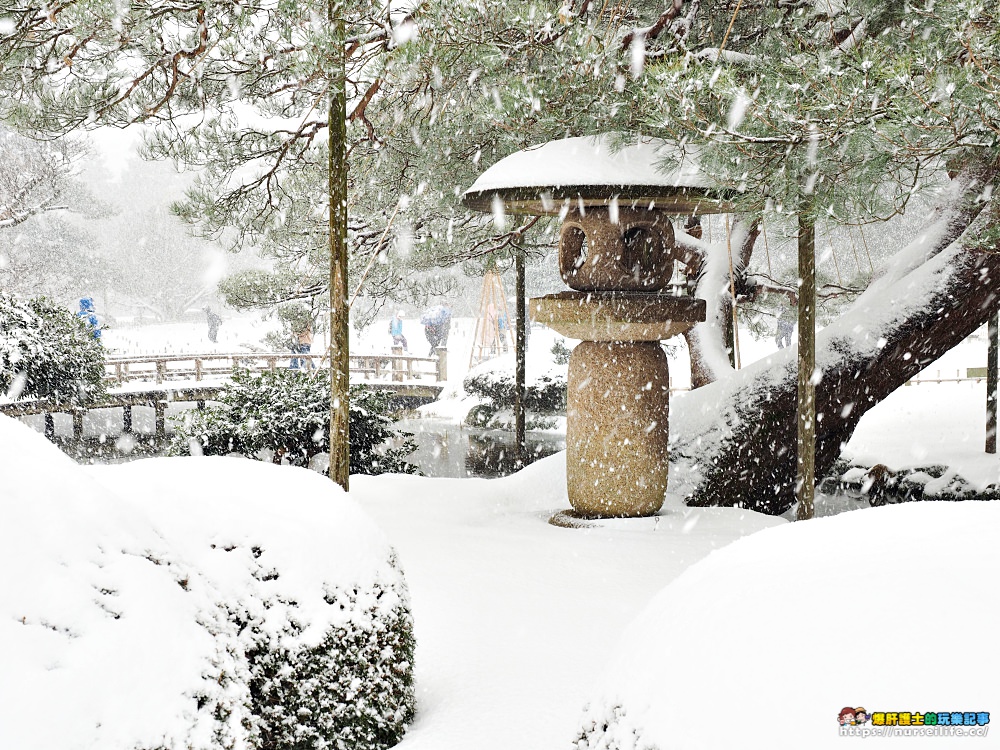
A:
{"x": 618, "y": 395}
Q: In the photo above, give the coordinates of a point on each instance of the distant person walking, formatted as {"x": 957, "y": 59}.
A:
{"x": 214, "y": 321}
{"x": 89, "y": 316}
{"x": 396, "y": 331}
{"x": 437, "y": 323}
{"x": 302, "y": 344}
{"x": 786, "y": 325}
{"x": 502, "y": 330}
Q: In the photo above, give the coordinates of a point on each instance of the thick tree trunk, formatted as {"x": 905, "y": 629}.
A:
{"x": 734, "y": 440}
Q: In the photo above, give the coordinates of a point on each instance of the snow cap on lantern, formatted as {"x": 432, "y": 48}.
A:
{"x": 615, "y": 201}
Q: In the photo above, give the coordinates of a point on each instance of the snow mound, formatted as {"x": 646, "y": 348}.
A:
{"x": 157, "y": 604}
{"x": 762, "y": 643}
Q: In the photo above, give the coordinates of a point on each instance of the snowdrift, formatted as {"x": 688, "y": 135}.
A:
{"x": 764, "y": 642}
{"x": 193, "y": 603}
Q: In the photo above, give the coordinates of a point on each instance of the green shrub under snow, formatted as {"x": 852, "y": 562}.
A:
{"x": 286, "y": 413}
{"x": 545, "y": 396}
{"x": 226, "y": 603}
{"x": 344, "y": 692}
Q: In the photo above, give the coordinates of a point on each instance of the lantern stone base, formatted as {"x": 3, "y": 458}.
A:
{"x": 616, "y": 428}
{"x": 618, "y": 396}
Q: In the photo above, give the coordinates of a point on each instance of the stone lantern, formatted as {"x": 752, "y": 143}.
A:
{"x": 617, "y": 252}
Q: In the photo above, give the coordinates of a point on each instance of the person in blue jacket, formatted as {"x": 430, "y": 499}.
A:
{"x": 396, "y": 331}
{"x": 89, "y": 316}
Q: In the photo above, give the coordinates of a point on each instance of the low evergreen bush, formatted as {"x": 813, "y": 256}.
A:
{"x": 287, "y": 413}
{"x": 352, "y": 690}
{"x": 560, "y": 352}
{"x": 544, "y": 397}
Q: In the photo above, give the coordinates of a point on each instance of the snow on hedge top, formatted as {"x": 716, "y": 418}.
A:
{"x": 590, "y": 161}
{"x": 762, "y": 643}
{"x": 119, "y": 607}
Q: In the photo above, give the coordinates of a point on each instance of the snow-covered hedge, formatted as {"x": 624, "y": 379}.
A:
{"x": 194, "y": 604}
{"x": 47, "y": 352}
{"x": 286, "y": 414}
{"x": 493, "y": 383}
{"x": 762, "y": 643}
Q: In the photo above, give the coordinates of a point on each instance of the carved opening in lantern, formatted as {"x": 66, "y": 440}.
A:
{"x": 642, "y": 254}
{"x": 573, "y": 249}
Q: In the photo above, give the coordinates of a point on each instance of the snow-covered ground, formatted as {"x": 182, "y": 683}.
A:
{"x": 519, "y": 623}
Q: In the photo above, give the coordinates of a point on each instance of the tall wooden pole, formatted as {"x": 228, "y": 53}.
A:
{"x": 339, "y": 322}
{"x": 805, "y": 469}
{"x": 991, "y": 384}
{"x": 519, "y": 352}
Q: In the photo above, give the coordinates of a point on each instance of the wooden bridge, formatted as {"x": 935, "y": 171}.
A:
{"x": 372, "y": 368}
{"x": 157, "y": 380}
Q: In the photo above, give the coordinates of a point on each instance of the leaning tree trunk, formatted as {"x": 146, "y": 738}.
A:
{"x": 735, "y": 438}
{"x": 709, "y": 264}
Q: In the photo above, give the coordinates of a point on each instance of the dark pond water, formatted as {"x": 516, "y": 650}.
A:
{"x": 448, "y": 450}
{"x": 443, "y": 449}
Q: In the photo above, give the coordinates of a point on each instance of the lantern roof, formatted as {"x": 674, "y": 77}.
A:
{"x": 592, "y": 171}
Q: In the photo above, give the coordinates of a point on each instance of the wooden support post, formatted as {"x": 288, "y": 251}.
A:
{"x": 991, "y": 384}
{"x": 161, "y": 418}
{"x": 197, "y": 369}
{"x": 50, "y": 426}
{"x": 397, "y": 363}
{"x": 442, "y": 363}
{"x": 161, "y": 370}
{"x": 127, "y": 419}
{"x": 77, "y": 424}
{"x": 520, "y": 346}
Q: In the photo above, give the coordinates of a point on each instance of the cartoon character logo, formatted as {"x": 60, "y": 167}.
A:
{"x": 861, "y": 716}
{"x": 846, "y": 716}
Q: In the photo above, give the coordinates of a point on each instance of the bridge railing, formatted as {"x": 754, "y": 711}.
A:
{"x": 396, "y": 366}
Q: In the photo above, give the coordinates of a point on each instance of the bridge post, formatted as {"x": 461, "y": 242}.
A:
{"x": 127, "y": 419}
{"x": 442, "y": 363}
{"x": 397, "y": 363}
{"x": 161, "y": 417}
{"x": 161, "y": 370}
{"x": 77, "y": 424}
{"x": 197, "y": 369}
